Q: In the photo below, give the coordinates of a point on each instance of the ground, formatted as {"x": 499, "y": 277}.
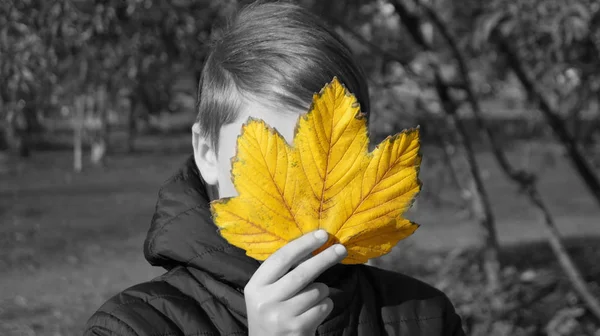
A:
{"x": 69, "y": 241}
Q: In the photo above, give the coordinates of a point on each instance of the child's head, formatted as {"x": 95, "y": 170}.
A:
{"x": 267, "y": 64}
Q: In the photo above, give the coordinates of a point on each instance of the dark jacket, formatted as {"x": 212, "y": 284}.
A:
{"x": 201, "y": 293}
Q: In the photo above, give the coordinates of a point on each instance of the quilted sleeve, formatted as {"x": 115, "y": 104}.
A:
{"x": 452, "y": 322}
{"x": 150, "y": 309}
{"x": 102, "y": 324}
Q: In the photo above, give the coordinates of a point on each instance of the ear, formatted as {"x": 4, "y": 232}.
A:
{"x": 205, "y": 156}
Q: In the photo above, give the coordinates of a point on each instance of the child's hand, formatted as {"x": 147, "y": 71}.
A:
{"x": 291, "y": 304}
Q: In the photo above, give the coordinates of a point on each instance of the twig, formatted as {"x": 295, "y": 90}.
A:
{"x": 374, "y": 47}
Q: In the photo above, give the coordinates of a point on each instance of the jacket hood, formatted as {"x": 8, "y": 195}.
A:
{"x": 182, "y": 232}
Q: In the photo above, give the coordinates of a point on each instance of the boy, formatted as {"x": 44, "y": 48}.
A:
{"x": 267, "y": 65}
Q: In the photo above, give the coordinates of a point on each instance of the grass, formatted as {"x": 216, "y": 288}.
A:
{"x": 69, "y": 241}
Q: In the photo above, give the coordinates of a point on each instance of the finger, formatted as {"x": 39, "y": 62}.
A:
{"x": 300, "y": 261}
{"x": 315, "y": 315}
{"x": 307, "y": 272}
{"x": 280, "y": 262}
{"x": 307, "y": 298}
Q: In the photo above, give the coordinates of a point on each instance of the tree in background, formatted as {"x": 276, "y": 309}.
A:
{"x": 56, "y": 52}
{"x": 552, "y": 48}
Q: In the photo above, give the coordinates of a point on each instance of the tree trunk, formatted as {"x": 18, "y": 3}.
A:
{"x": 3, "y": 125}
{"x": 99, "y": 138}
{"x": 448, "y": 153}
{"x": 480, "y": 201}
{"x": 9, "y": 129}
{"x": 577, "y": 159}
{"x": 14, "y": 127}
{"x": 131, "y": 124}
{"x": 78, "y": 122}
{"x": 106, "y": 129}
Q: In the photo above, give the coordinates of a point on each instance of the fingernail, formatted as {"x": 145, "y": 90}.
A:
{"x": 321, "y": 234}
{"x": 340, "y": 249}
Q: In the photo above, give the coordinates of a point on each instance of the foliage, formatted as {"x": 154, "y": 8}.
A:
{"x": 557, "y": 41}
{"x": 327, "y": 180}
{"x": 55, "y": 50}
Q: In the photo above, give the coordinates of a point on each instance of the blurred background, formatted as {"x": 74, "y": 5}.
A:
{"x": 97, "y": 99}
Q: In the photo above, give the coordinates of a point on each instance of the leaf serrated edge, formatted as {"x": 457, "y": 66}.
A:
{"x": 224, "y": 201}
{"x": 417, "y": 168}
{"x": 251, "y": 120}
{"x": 318, "y": 95}
{"x": 214, "y": 211}
{"x": 419, "y": 157}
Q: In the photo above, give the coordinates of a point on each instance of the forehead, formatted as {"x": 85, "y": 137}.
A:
{"x": 281, "y": 118}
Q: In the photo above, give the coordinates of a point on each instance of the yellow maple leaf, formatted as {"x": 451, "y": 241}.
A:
{"x": 327, "y": 180}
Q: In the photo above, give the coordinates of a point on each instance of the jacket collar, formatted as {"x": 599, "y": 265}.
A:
{"x": 182, "y": 232}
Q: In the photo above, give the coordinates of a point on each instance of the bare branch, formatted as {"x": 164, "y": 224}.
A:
{"x": 525, "y": 180}
{"x": 480, "y": 202}
{"x": 578, "y": 160}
